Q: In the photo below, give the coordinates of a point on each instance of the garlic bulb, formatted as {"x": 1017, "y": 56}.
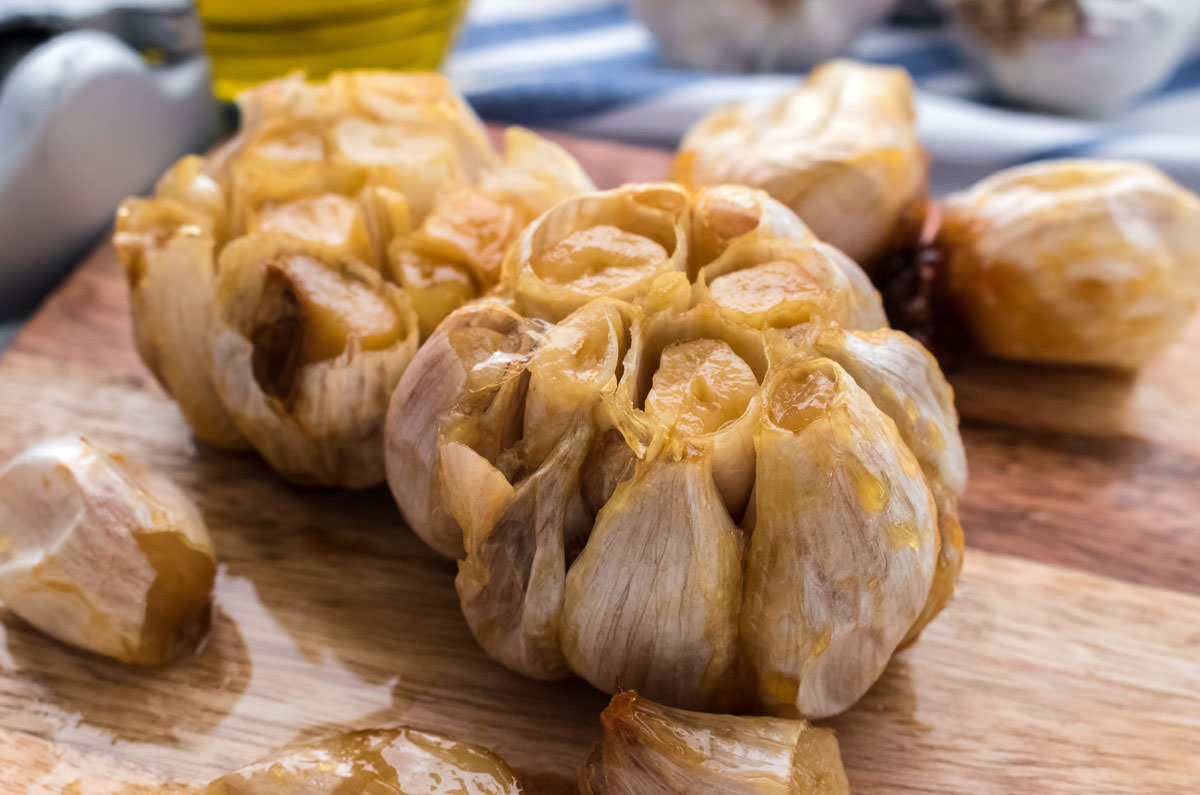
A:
{"x": 306, "y": 353}
{"x": 840, "y": 150}
{"x": 762, "y": 35}
{"x": 1117, "y": 50}
{"x": 102, "y": 553}
{"x": 403, "y": 760}
{"x": 650, "y": 749}
{"x": 625, "y": 484}
{"x": 1079, "y": 261}
{"x": 367, "y": 171}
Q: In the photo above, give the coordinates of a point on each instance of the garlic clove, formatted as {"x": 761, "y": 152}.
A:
{"x": 536, "y": 174}
{"x": 103, "y": 554}
{"x": 306, "y": 353}
{"x": 841, "y": 151}
{"x": 163, "y": 244}
{"x": 331, "y": 221}
{"x": 649, "y": 748}
{"x": 652, "y": 600}
{"x": 1081, "y": 261}
{"x": 402, "y": 760}
{"x": 476, "y": 351}
{"x": 610, "y": 243}
{"x": 818, "y": 628}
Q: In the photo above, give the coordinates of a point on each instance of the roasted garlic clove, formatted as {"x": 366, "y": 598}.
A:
{"x": 653, "y": 598}
{"x": 1079, "y": 261}
{"x": 476, "y": 355}
{"x": 167, "y": 246}
{"x": 610, "y": 243}
{"x": 103, "y": 554}
{"x": 649, "y": 748}
{"x": 334, "y": 223}
{"x": 841, "y": 151}
{"x": 818, "y": 628}
{"x": 783, "y": 35}
{"x": 1117, "y": 51}
{"x": 536, "y": 174}
{"x": 306, "y": 353}
{"x": 406, "y": 761}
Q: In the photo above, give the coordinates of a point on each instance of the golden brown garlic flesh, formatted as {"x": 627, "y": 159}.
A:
{"x": 651, "y": 749}
{"x": 102, "y": 553}
{"x": 402, "y": 761}
{"x": 629, "y": 487}
{"x": 841, "y": 151}
{"x": 1076, "y": 261}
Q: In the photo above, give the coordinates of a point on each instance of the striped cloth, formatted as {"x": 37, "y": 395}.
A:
{"x": 588, "y": 66}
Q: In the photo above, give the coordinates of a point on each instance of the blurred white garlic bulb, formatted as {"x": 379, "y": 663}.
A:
{"x": 1080, "y": 56}
{"x": 757, "y": 35}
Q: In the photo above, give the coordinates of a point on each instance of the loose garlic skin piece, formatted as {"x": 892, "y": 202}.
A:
{"x": 622, "y": 504}
{"x": 651, "y": 749}
{"x": 841, "y": 151}
{"x": 103, "y": 554}
{"x": 1074, "y": 261}
{"x": 306, "y": 353}
{"x": 405, "y": 761}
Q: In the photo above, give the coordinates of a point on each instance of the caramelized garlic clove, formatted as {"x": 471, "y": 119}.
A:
{"x": 402, "y": 760}
{"x": 649, "y": 749}
{"x": 306, "y": 353}
{"x": 103, "y": 554}
{"x": 652, "y": 600}
{"x": 1079, "y": 261}
{"x": 818, "y": 628}
{"x": 536, "y": 174}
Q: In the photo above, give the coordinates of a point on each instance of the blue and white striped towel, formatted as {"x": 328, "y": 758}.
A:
{"x": 590, "y": 67}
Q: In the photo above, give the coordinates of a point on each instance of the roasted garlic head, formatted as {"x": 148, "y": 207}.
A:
{"x": 841, "y": 150}
{"x": 621, "y": 457}
{"x": 403, "y": 761}
{"x": 650, "y": 749}
{"x": 1078, "y": 261}
{"x": 280, "y": 286}
{"x": 102, "y": 553}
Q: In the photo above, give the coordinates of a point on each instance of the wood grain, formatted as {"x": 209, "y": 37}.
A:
{"x": 1038, "y": 678}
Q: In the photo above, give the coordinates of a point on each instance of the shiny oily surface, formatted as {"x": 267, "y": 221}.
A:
{"x": 599, "y": 259}
{"x": 700, "y": 386}
{"x": 375, "y": 762}
{"x": 764, "y": 287}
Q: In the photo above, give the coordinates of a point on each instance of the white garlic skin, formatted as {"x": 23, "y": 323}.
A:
{"x": 103, "y": 554}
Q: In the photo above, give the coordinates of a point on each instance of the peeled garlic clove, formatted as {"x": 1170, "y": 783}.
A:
{"x": 403, "y": 760}
{"x": 470, "y": 228}
{"x": 649, "y": 749}
{"x": 652, "y": 600}
{"x": 474, "y": 356}
{"x": 436, "y": 286}
{"x": 609, "y": 243}
{"x": 841, "y": 151}
{"x": 726, "y": 214}
{"x": 818, "y": 628}
{"x": 1080, "y": 261}
{"x": 785, "y": 35}
{"x": 1117, "y": 51}
{"x": 167, "y": 250}
{"x": 330, "y": 221}
{"x": 306, "y": 353}
{"x": 536, "y": 174}
{"x": 103, "y": 554}
{"x": 905, "y": 383}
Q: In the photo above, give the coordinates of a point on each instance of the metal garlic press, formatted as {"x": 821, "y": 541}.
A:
{"x": 96, "y": 99}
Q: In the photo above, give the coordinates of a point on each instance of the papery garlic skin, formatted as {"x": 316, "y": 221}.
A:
{"x": 103, "y": 554}
{"x": 313, "y": 408}
{"x": 404, "y": 760}
{"x": 761, "y": 35}
{"x": 168, "y": 246}
{"x": 1077, "y": 261}
{"x": 840, "y": 150}
{"x": 650, "y": 749}
{"x": 1116, "y": 51}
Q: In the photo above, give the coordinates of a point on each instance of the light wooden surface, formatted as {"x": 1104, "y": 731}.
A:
{"x": 1069, "y": 665}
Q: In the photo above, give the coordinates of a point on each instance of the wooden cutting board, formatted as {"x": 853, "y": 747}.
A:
{"x": 1068, "y": 662}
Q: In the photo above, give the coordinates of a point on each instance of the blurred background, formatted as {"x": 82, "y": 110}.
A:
{"x": 97, "y": 97}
